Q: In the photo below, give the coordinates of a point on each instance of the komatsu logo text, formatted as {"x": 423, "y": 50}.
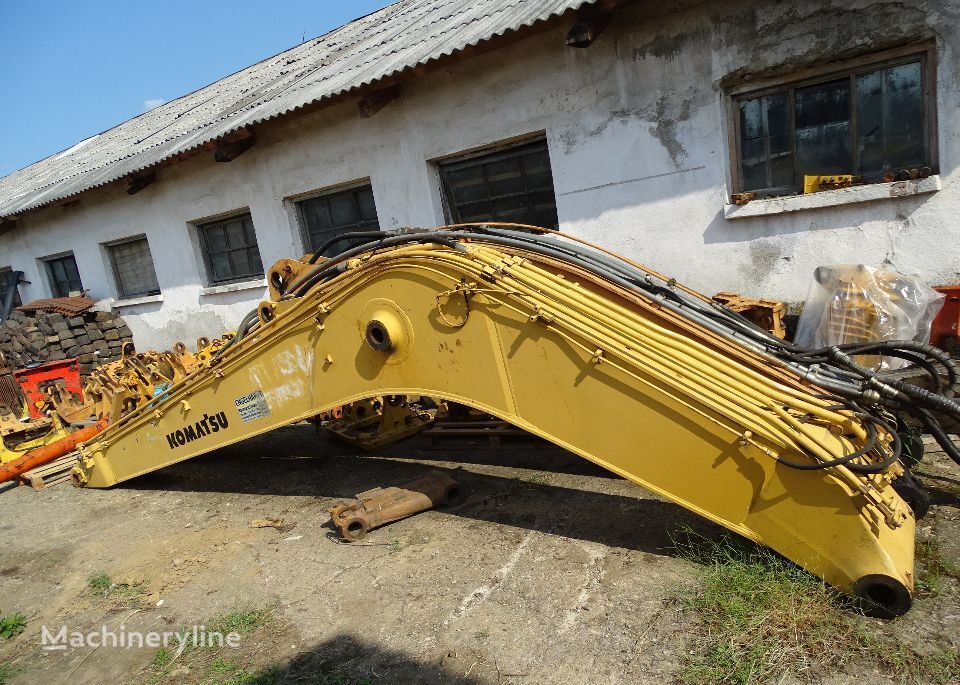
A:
{"x": 208, "y": 424}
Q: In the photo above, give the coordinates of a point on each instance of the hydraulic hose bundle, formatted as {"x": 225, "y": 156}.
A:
{"x": 870, "y": 395}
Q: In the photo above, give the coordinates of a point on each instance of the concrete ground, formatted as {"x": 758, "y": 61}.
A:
{"x": 552, "y": 570}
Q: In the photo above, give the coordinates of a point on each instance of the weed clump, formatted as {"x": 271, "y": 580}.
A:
{"x": 762, "y": 617}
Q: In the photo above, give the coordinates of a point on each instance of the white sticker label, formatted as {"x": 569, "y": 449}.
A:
{"x": 252, "y": 407}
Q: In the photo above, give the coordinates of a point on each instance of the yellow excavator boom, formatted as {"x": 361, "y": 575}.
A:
{"x": 593, "y": 353}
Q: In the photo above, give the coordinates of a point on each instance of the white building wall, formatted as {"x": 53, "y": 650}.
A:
{"x": 636, "y": 127}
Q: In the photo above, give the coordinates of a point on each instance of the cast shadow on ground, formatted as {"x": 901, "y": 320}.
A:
{"x": 348, "y": 660}
{"x": 533, "y": 503}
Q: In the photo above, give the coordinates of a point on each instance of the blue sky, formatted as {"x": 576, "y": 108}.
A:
{"x": 72, "y": 68}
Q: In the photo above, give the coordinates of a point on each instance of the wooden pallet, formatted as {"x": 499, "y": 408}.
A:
{"x": 54, "y": 473}
{"x": 487, "y": 433}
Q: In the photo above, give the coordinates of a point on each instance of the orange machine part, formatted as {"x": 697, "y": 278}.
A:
{"x": 48, "y": 453}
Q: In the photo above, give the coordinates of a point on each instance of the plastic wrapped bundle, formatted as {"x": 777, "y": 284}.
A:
{"x": 851, "y": 303}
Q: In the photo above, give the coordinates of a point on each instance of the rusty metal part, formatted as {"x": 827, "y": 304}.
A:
{"x": 768, "y": 314}
{"x": 11, "y": 396}
{"x": 68, "y": 306}
{"x": 69, "y": 406}
{"x": 380, "y": 506}
{"x": 379, "y": 421}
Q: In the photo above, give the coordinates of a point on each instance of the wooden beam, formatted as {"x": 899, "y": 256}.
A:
{"x": 377, "y": 100}
{"x": 591, "y": 21}
{"x": 138, "y": 183}
{"x": 586, "y": 31}
{"x": 231, "y": 147}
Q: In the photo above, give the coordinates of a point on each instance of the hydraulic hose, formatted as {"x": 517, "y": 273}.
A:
{"x": 941, "y": 436}
{"x": 354, "y": 235}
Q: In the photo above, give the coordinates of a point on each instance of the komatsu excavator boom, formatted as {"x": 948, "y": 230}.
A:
{"x": 592, "y": 352}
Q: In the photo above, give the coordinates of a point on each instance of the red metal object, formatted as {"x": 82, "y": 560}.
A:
{"x": 35, "y": 381}
{"x": 944, "y": 330}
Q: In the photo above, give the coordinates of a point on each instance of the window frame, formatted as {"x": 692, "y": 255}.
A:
{"x": 925, "y": 52}
{"x": 201, "y": 227}
{"x": 491, "y": 153}
{"x": 349, "y": 187}
{"x": 115, "y": 272}
{"x": 48, "y": 269}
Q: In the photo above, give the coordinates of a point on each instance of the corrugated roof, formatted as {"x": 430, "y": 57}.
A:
{"x": 400, "y": 36}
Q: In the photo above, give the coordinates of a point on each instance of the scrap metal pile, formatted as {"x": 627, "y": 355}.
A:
{"x": 795, "y": 448}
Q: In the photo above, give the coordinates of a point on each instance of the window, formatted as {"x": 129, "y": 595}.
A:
{"x": 8, "y": 282}
{"x": 63, "y": 274}
{"x": 873, "y": 121}
{"x": 230, "y": 249}
{"x": 133, "y": 267}
{"x": 513, "y": 185}
{"x": 334, "y": 213}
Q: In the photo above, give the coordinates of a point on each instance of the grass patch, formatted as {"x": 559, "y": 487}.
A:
{"x": 935, "y": 567}
{"x": 12, "y": 625}
{"x": 8, "y": 671}
{"x": 161, "y": 659}
{"x": 222, "y": 672}
{"x": 207, "y": 663}
{"x": 241, "y": 620}
{"x": 481, "y": 635}
{"x": 761, "y": 617}
{"x": 102, "y": 584}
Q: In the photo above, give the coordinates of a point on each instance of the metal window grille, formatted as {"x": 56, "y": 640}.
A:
{"x": 512, "y": 185}
{"x": 133, "y": 268}
{"x": 230, "y": 249}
